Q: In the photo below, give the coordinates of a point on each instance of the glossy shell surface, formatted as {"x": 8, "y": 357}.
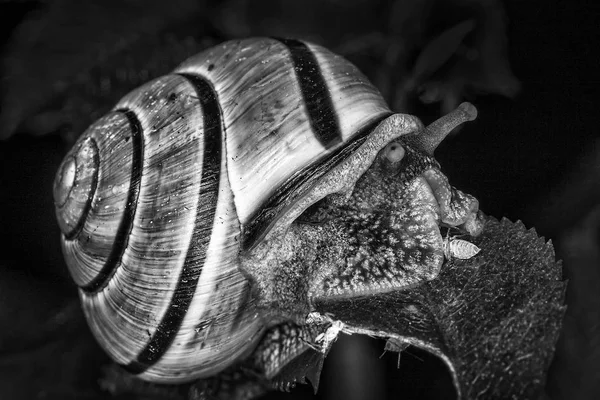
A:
{"x": 158, "y": 198}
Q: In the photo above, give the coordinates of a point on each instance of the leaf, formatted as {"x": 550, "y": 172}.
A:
{"x": 493, "y": 319}
{"x": 286, "y": 356}
{"x": 283, "y": 358}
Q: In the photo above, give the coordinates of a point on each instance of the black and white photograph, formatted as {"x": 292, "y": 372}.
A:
{"x": 294, "y": 200}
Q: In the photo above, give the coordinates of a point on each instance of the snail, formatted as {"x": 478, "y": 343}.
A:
{"x": 189, "y": 210}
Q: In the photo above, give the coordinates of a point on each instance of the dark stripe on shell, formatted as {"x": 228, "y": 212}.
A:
{"x": 317, "y": 99}
{"x": 171, "y": 322}
{"x": 126, "y": 224}
{"x": 88, "y": 203}
{"x": 288, "y": 192}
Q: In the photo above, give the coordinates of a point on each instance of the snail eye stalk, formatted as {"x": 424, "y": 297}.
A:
{"x": 431, "y": 137}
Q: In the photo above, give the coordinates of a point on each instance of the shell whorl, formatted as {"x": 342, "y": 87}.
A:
{"x": 153, "y": 284}
{"x": 157, "y": 198}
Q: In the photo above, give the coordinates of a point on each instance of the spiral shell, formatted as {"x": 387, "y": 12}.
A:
{"x": 158, "y": 198}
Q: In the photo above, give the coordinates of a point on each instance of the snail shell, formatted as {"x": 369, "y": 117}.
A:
{"x": 158, "y": 198}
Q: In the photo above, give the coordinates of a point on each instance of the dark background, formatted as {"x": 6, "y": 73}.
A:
{"x": 532, "y": 155}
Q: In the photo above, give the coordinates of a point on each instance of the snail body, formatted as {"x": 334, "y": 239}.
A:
{"x": 177, "y": 207}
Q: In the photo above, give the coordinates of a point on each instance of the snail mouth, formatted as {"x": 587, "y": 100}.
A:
{"x": 456, "y": 209}
{"x": 439, "y": 185}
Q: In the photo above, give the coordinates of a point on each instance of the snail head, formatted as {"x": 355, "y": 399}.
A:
{"x": 380, "y": 235}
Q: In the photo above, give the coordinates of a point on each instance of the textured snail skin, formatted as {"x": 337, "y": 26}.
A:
{"x": 214, "y": 203}
{"x": 385, "y": 236}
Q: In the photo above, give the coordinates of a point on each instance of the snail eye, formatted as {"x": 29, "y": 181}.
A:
{"x": 394, "y": 152}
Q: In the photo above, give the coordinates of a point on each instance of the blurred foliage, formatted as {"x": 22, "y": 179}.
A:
{"x": 575, "y": 373}
{"x": 94, "y": 52}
